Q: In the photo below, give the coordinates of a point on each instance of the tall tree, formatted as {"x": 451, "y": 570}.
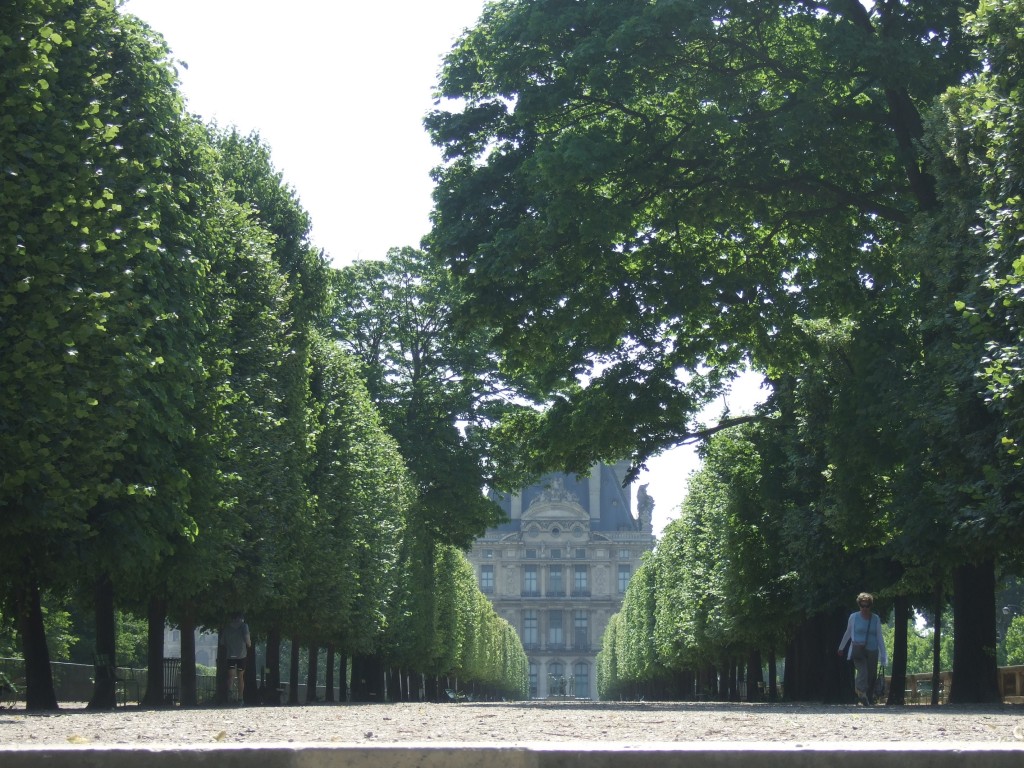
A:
{"x": 100, "y": 301}
{"x": 649, "y": 195}
{"x": 643, "y": 197}
{"x": 434, "y": 391}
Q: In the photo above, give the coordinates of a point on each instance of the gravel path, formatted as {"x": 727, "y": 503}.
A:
{"x": 515, "y": 723}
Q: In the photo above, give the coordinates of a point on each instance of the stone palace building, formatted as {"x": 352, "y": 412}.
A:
{"x": 558, "y": 568}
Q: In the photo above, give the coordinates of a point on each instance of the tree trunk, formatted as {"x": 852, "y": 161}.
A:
{"x": 940, "y": 605}
{"x": 156, "y": 618}
{"x": 813, "y": 670}
{"x": 272, "y": 679}
{"x": 311, "y": 673}
{"x": 898, "y": 682}
{"x": 431, "y": 690}
{"x": 755, "y": 677}
{"x": 252, "y": 692}
{"x": 975, "y": 671}
{"x": 773, "y": 677}
{"x": 104, "y": 692}
{"x": 39, "y": 692}
{"x": 367, "y": 678}
{"x": 395, "y": 689}
{"x": 329, "y": 676}
{"x": 293, "y": 681}
{"x": 187, "y": 693}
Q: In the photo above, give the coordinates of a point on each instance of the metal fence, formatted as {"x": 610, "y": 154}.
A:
{"x": 73, "y": 683}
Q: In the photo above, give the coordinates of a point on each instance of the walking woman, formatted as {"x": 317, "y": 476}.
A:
{"x": 867, "y": 646}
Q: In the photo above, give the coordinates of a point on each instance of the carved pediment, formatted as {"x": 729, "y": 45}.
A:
{"x": 556, "y": 503}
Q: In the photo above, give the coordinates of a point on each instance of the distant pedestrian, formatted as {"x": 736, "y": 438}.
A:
{"x": 866, "y": 647}
{"x": 236, "y": 641}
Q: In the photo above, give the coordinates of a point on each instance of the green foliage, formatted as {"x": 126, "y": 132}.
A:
{"x": 132, "y": 634}
{"x": 645, "y": 197}
{"x": 920, "y": 647}
{"x": 981, "y": 125}
{"x": 1014, "y": 641}
{"x": 640, "y": 199}
{"x": 173, "y": 419}
{"x": 362, "y": 494}
{"x": 100, "y": 308}
{"x": 395, "y": 317}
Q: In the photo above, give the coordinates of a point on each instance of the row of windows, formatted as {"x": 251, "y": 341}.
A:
{"x": 556, "y": 554}
{"x": 555, "y": 585}
{"x": 556, "y": 629}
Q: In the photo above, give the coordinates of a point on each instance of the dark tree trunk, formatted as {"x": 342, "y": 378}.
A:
{"x": 394, "y": 686}
{"x": 104, "y": 692}
{"x": 329, "y": 676}
{"x": 221, "y": 682}
{"x": 367, "y": 678}
{"x": 272, "y": 679}
{"x": 773, "y": 677}
{"x": 39, "y": 692}
{"x": 940, "y": 606}
{"x": 293, "y": 676}
{"x": 898, "y": 682}
{"x": 156, "y": 618}
{"x": 187, "y": 693}
{"x": 975, "y": 670}
{"x": 312, "y": 673}
{"x": 431, "y": 690}
{"x": 814, "y": 672}
{"x": 252, "y": 690}
{"x": 755, "y": 677}
{"x": 689, "y": 686}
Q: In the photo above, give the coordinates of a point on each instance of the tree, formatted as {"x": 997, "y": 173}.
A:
{"x": 280, "y": 452}
{"x": 649, "y": 195}
{"x": 432, "y": 389}
{"x": 969, "y": 245}
{"x": 643, "y": 198}
{"x": 99, "y": 345}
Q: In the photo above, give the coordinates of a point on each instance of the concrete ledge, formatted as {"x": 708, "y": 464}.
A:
{"x": 540, "y": 755}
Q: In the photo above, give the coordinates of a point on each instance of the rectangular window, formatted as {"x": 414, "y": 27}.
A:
{"x": 581, "y": 631}
{"x": 531, "y": 554}
{"x": 556, "y": 638}
{"x": 623, "y": 554}
{"x": 581, "y": 553}
{"x": 556, "y": 554}
{"x": 581, "y": 680}
{"x": 488, "y": 553}
{"x": 531, "y": 587}
{"x": 487, "y": 579}
{"x": 534, "y": 676}
{"x": 556, "y": 587}
{"x": 580, "y": 584}
{"x": 623, "y": 580}
{"x": 531, "y": 637}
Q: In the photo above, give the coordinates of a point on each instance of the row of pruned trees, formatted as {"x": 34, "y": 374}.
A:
{"x": 182, "y": 434}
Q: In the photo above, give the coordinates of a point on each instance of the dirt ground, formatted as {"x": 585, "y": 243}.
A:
{"x": 515, "y": 723}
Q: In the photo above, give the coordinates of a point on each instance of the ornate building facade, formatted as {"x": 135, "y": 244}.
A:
{"x": 558, "y": 568}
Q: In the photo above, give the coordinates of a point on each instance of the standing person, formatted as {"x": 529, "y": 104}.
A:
{"x": 867, "y": 646}
{"x": 236, "y": 641}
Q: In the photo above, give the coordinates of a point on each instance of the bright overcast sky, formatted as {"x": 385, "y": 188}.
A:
{"x": 338, "y": 91}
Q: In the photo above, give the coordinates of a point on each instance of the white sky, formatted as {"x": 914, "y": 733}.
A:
{"x": 338, "y": 91}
